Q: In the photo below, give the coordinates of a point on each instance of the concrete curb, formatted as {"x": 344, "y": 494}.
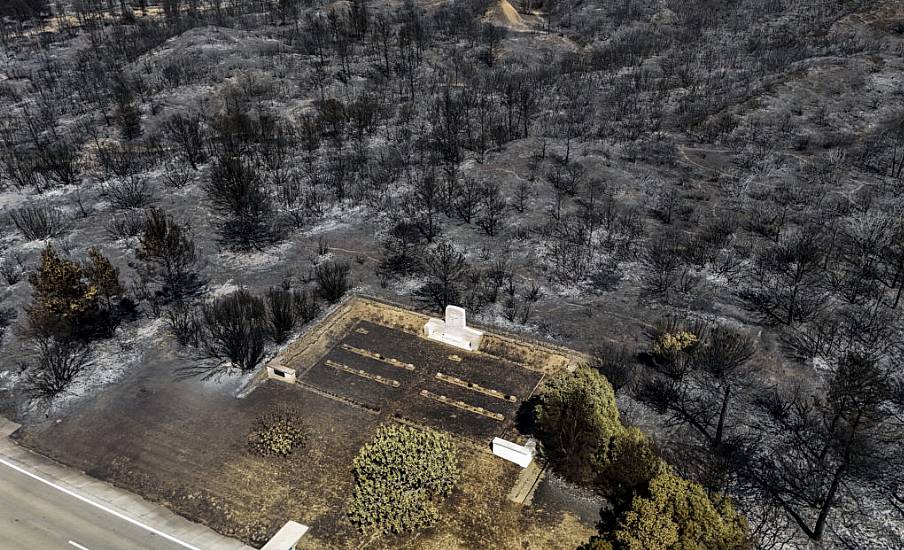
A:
{"x": 117, "y": 499}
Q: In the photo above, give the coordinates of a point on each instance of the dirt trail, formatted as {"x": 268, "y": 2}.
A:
{"x": 511, "y": 14}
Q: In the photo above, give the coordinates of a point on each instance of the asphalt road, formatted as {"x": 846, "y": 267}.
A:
{"x": 38, "y": 516}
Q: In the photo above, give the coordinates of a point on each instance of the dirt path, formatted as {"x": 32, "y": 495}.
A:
{"x": 503, "y": 170}
{"x": 355, "y": 252}
{"x": 687, "y": 160}
{"x": 683, "y": 149}
{"x": 511, "y": 14}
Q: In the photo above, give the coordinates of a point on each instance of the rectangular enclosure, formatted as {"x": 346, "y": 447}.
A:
{"x": 471, "y": 394}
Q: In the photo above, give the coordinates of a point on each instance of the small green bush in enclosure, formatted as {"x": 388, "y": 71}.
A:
{"x": 400, "y": 476}
{"x": 279, "y": 432}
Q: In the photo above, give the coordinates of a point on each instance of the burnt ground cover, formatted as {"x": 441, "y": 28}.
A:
{"x": 185, "y": 446}
{"x": 598, "y": 166}
{"x": 182, "y": 441}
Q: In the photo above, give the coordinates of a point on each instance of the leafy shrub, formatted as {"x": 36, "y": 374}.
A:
{"x": 677, "y": 513}
{"x": 673, "y": 339}
{"x": 74, "y": 300}
{"x": 626, "y": 465}
{"x": 279, "y": 432}
{"x": 668, "y": 344}
{"x": 332, "y": 280}
{"x": 576, "y": 415}
{"x": 39, "y": 221}
{"x": 60, "y": 287}
{"x": 399, "y": 477}
{"x": 103, "y": 277}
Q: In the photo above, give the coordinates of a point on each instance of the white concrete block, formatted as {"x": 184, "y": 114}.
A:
{"x": 520, "y": 455}
{"x": 287, "y": 537}
{"x": 277, "y": 371}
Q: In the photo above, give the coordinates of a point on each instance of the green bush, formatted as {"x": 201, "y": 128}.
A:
{"x": 279, "y": 432}
{"x": 674, "y": 339}
{"x": 399, "y": 478}
{"x": 576, "y": 416}
{"x": 667, "y": 345}
{"x": 72, "y": 299}
{"x": 679, "y": 514}
{"x": 626, "y": 465}
{"x": 652, "y": 508}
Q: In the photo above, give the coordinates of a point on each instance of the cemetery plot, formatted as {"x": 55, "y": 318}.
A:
{"x": 492, "y": 405}
{"x": 482, "y": 369}
{"x": 473, "y": 395}
{"x": 362, "y": 373}
{"x": 351, "y": 356}
{"x": 426, "y": 409}
{"x": 475, "y": 387}
{"x": 379, "y": 357}
{"x": 496, "y": 374}
{"x": 353, "y": 382}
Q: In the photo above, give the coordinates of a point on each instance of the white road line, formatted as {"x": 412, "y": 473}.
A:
{"x": 99, "y": 506}
{"x": 79, "y": 546}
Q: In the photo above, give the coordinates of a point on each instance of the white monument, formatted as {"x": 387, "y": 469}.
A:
{"x": 520, "y": 455}
{"x": 453, "y": 331}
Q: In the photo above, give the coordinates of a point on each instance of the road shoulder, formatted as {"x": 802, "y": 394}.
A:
{"x": 109, "y": 496}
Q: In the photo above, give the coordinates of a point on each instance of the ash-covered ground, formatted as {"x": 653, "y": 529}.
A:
{"x": 577, "y": 172}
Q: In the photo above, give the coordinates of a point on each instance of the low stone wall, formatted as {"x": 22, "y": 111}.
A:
{"x": 303, "y": 353}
